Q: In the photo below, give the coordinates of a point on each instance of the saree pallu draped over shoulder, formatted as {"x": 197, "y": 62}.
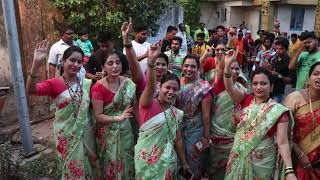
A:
{"x": 254, "y": 153}
{"x": 189, "y": 101}
{"x": 74, "y": 137}
{"x": 115, "y": 141}
{"x": 307, "y": 138}
{"x": 222, "y": 131}
{"x": 155, "y": 156}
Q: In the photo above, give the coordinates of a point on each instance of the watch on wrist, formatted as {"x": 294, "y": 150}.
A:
{"x": 279, "y": 76}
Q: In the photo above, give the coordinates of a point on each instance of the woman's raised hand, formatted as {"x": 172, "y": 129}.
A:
{"x": 154, "y": 51}
{"x": 230, "y": 56}
{"x": 41, "y": 51}
{"x": 126, "y": 28}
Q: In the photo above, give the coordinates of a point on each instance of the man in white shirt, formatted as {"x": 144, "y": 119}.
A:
{"x": 141, "y": 46}
{"x": 182, "y": 34}
{"x": 57, "y": 50}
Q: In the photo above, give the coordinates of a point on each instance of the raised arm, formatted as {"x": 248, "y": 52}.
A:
{"x": 236, "y": 95}
{"x": 39, "y": 56}
{"x": 293, "y": 61}
{"x": 220, "y": 67}
{"x": 147, "y": 94}
{"x": 136, "y": 72}
{"x": 207, "y": 53}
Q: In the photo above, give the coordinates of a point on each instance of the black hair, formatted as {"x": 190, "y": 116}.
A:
{"x": 260, "y": 70}
{"x": 168, "y": 77}
{"x": 262, "y": 31}
{"x": 171, "y": 28}
{"x": 176, "y": 38}
{"x": 68, "y": 52}
{"x": 192, "y": 57}
{"x": 64, "y": 28}
{"x": 257, "y": 42}
{"x": 211, "y": 31}
{"x": 313, "y": 67}
{"x": 271, "y": 37}
{"x": 308, "y": 34}
{"x": 220, "y": 27}
{"x": 282, "y": 41}
{"x": 106, "y": 57}
{"x": 105, "y": 36}
{"x": 83, "y": 31}
{"x": 140, "y": 28}
{"x": 294, "y": 35}
{"x": 165, "y": 57}
{"x": 201, "y": 35}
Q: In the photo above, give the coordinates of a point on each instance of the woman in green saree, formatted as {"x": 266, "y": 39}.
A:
{"x": 262, "y": 129}
{"x": 159, "y": 139}
{"x": 222, "y": 129}
{"x": 73, "y": 128}
{"x": 113, "y": 99}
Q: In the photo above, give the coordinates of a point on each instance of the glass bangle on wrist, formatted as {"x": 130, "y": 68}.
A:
{"x": 151, "y": 65}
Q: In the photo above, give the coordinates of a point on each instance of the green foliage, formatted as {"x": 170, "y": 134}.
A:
{"x": 109, "y": 14}
{"x": 191, "y": 12}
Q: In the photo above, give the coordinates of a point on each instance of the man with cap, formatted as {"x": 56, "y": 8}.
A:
{"x": 302, "y": 61}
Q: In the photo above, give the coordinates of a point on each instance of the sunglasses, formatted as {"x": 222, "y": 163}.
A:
{"x": 70, "y": 33}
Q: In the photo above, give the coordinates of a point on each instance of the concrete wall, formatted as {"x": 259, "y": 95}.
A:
{"x": 5, "y": 75}
{"x": 209, "y": 15}
{"x": 234, "y": 16}
{"x": 9, "y": 113}
{"x": 172, "y": 17}
{"x": 284, "y": 15}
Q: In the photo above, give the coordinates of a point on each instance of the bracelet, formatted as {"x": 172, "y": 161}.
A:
{"x": 151, "y": 65}
{"x": 227, "y": 75}
{"x": 128, "y": 45}
{"x": 289, "y": 172}
{"x": 33, "y": 76}
{"x": 287, "y": 168}
{"x": 302, "y": 154}
{"x": 112, "y": 118}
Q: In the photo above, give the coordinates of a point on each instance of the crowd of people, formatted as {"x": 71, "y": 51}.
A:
{"x": 209, "y": 105}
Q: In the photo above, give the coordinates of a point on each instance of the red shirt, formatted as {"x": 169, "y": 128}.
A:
{"x": 209, "y": 63}
{"x": 51, "y": 87}
{"x": 148, "y": 112}
{"x": 100, "y": 92}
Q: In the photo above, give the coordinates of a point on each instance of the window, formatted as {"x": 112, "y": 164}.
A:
{"x": 297, "y": 16}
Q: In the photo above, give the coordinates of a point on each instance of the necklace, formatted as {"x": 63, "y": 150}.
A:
{"x": 249, "y": 112}
{"x": 165, "y": 116}
{"x": 76, "y": 96}
{"x": 110, "y": 84}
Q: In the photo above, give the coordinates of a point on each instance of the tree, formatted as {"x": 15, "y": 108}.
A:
{"x": 109, "y": 14}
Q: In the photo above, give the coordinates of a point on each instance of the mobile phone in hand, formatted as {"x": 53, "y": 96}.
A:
{"x": 186, "y": 174}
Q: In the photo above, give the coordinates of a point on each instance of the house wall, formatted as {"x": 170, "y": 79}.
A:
{"x": 284, "y": 15}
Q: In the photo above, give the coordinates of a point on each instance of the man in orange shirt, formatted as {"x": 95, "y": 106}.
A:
{"x": 238, "y": 42}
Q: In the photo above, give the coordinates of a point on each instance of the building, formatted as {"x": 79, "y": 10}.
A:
{"x": 295, "y": 15}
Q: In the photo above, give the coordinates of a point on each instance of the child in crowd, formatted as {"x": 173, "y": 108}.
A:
{"x": 85, "y": 44}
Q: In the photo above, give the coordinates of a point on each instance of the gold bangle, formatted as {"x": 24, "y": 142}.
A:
{"x": 112, "y": 118}
{"x": 227, "y": 75}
